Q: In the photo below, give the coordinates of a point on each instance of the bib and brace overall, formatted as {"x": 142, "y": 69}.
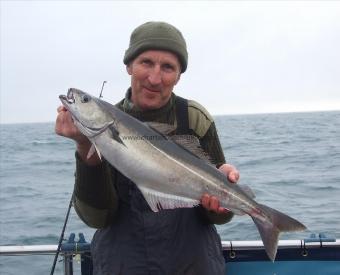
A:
{"x": 169, "y": 242}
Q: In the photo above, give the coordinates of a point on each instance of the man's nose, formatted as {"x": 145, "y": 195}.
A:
{"x": 155, "y": 76}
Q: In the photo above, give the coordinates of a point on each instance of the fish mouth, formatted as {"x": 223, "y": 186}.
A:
{"x": 67, "y": 99}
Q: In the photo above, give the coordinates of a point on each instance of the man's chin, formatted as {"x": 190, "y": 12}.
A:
{"x": 146, "y": 106}
{"x": 151, "y": 100}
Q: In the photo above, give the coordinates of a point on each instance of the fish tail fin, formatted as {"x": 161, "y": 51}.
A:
{"x": 271, "y": 228}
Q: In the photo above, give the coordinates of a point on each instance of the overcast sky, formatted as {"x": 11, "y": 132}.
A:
{"x": 244, "y": 57}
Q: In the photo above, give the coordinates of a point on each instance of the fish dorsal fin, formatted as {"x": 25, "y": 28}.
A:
{"x": 162, "y": 128}
{"x": 159, "y": 201}
{"x": 247, "y": 190}
{"x": 192, "y": 144}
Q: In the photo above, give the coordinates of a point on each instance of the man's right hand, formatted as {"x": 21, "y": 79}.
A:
{"x": 65, "y": 127}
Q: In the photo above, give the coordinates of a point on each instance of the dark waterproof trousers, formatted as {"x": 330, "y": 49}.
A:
{"x": 141, "y": 242}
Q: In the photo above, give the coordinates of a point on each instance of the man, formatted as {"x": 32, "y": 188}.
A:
{"x": 131, "y": 238}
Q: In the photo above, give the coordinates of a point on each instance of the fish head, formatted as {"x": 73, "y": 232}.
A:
{"x": 87, "y": 112}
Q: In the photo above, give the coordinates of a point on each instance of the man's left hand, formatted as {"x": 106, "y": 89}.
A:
{"x": 212, "y": 203}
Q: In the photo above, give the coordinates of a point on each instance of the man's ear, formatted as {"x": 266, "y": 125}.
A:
{"x": 129, "y": 69}
{"x": 178, "y": 78}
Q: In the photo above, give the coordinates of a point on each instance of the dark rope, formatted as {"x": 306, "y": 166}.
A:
{"x": 61, "y": 236}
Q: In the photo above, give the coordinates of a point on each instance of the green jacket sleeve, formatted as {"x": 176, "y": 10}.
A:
{"x": 211, "y": 144}
{"x": 95, "y": 198}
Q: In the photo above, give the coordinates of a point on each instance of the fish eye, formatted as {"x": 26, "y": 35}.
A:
{"x": 85, "y": 98}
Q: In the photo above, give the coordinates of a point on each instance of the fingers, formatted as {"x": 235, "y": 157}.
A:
{"x": 211, "y": 203}
{"x": 64, "y": 125}
{"x": 60, "y": 121}
{"x": 233, "y": 176}
{"x": 231, "y": 172}
{"x": 61, "y": 108}
{"x": 205, "y": 201}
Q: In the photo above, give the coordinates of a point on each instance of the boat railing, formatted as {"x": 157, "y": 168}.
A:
{"x": 70, "y": 250}
{"x": 313, "y": 241}
{"x": 237, "y": 254}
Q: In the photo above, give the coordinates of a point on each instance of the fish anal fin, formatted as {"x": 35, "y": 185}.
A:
{"x": 159, "y": 201}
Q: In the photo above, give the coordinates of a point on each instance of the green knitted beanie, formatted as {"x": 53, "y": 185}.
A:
{"x": 157, "y": 36}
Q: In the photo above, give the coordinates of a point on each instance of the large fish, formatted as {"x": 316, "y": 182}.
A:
{"x": 168, "y": 175}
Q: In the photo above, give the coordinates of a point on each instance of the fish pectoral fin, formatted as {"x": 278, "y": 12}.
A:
{"x": 159, "y": 201}
{"x": 115, "y": 134}
{"x": 92, "y": 150}
{"x": 271, "y": 225}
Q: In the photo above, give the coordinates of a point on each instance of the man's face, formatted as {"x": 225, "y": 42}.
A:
{"x": 153, "y": 77}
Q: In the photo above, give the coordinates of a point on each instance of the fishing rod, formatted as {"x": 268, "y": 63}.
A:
{"x": 61, "y": 238}
{"x": 100, "y": 95}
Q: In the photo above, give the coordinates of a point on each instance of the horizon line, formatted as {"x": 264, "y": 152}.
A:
{"x": 214, "y": 115}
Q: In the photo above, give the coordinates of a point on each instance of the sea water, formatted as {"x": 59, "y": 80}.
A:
{"x": 291, "y": 161}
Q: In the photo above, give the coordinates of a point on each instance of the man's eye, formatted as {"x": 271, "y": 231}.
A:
{"x": 168, "y": 67}
{"x": 146, "y": 62}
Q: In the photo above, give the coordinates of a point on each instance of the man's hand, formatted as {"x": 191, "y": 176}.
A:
{"x": 65, "y": 127}
{"x": 231, "y": 172}
{"x": 211, "y": 203}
